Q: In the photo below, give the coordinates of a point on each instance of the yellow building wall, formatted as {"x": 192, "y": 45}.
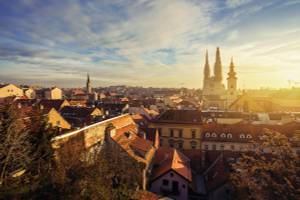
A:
{"x": 229, "y": 120}
{"x": 30, "y": 94}
{"x": 54, "y": 93}
{"x": 96, "y": 112}
{"x": 186, "y": 134}
{"x": 56, "y": 120}
{"x": 10, "y": 90}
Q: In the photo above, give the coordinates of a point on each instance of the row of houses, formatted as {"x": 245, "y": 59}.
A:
{"x": 8, "y": 90}
{"x": 183, "y": 157}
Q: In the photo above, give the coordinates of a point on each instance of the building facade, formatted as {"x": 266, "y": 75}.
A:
{"x": 179, "y": 129}
{"x": 53, "y": 93}
{"x": 214, "y": 93}
{"x": 10, "y": 90}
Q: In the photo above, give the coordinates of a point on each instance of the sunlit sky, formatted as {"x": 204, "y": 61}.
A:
{"x": 148, "y": 42}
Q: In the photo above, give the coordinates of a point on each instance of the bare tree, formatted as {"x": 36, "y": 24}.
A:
{"x": 15, "y": 147}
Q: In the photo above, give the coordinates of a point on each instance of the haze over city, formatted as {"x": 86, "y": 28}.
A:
{"x": 148, "y": 43}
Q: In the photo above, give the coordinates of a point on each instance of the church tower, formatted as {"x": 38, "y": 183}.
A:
{"x": 231, "y": 83}
{"x": 206, "y": 71}
{"x": 88, "y": 85}
{"x": 218, "y": 67}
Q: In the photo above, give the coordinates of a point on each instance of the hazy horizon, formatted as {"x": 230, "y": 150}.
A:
{"x": 148, "y": 43}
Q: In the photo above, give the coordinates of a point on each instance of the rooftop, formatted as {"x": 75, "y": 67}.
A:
{"x": 180, "y": 116}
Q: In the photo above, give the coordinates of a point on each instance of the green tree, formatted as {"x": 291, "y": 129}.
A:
{"x": 270, "y": 172}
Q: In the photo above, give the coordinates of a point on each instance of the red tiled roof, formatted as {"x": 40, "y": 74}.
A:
{"x": 171, "y": 159}
{"x": 145, "y": 195}
{"x": 135, "y": 146}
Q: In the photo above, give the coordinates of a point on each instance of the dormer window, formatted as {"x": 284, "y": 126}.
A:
{"x": 223, "y": 135}
{"x": 242, "y": 136}
{"x": 249, "y": 136}
{"x": 229, "y": 135}
{"x": 213, "y": 135}
{"x": 207, "y": 134}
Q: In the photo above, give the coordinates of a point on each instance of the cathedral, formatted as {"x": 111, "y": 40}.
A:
{"x": 214, "y": 93}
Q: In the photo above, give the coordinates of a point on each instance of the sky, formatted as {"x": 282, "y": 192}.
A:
{"x": 159, "y": 43}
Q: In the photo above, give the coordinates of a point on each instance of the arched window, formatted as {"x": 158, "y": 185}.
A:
{"x": 223, "y": 135}
{"x": 242, "y": 136}
{"x": 249, "y": 136}
{"x": 229, "y": 135}
{"x": 207, "y": 134}
{"x": 213, "y": 135}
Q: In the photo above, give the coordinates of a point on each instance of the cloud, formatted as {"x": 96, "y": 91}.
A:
{"x": 149, "y": 42}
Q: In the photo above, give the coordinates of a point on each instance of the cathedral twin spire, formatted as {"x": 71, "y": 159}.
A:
{"x": 217, "y": 67}
{"x": 206, "y": 67}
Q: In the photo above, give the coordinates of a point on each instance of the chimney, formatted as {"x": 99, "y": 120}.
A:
{"x": 156, "y": 140}
{"x": 110, "y": 131}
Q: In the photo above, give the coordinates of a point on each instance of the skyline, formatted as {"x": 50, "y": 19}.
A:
{"x": 148, "y": 43}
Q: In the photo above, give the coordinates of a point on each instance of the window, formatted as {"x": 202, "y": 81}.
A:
{"x": 249, "y": 136}
{"x": 171, "y": 133}
{"x": 222, "y": 147}
{"x": 229, "y": 135}
{"x": 206, "y": 147}
{"x": 165, "y": 182}
{"x": 183, "y": 185}
{"x": 214, "y": 147}
{"x": 171, "y": 174}
{"x": 159, "y": 131}
{"x": 193, "y": 135}
{"x": 160, "y": 142}
{"x": 213, "y": 135}
{"x": 223, "y": 135}
{"x": 207, "y": 134}
{"x": 180, "y": 145}
{"x": 180, "y": 133}
{"x": 171, "y": 143}
{"x": 193, "y": 144}
{"x": 232, "y": 147}
{"x": 242, "y": 136}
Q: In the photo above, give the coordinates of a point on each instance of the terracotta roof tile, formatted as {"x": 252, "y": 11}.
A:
{"x": 168, "y": 159}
